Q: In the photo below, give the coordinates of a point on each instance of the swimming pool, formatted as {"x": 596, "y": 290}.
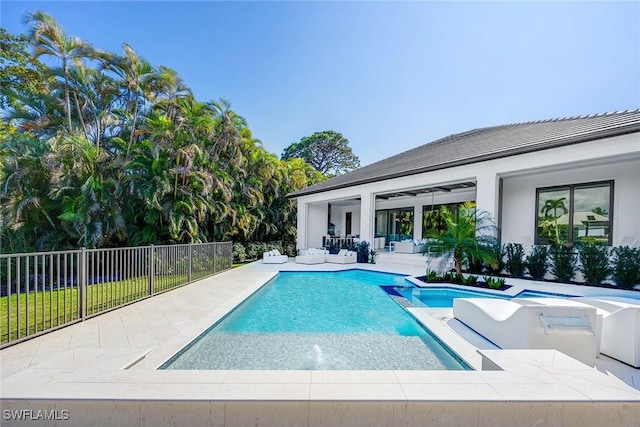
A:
{"x": 442, "y": 297}
{"x": 319, "y": 320}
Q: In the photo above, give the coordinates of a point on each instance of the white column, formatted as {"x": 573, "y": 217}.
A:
{"x": 367, "y": 216}
{"x": 301, "y": 239}
{"x": 487, "y": 194}
{"x": 417, "y": 222}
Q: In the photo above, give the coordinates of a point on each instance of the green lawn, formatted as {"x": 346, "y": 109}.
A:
{"x": 43, "y": 310}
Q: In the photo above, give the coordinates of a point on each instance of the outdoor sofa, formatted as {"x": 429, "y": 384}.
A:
{"x": 510, "y": 325}
{"x": 311, "y": 256}
{"x": 409, "y": 247}
{"x": 274, "y": 257}
{"x": 342, "y": 257}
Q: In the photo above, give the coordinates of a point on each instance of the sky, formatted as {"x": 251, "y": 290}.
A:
{"x": 389, "y": 76}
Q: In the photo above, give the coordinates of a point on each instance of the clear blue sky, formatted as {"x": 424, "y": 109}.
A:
{"x": 389, "y": 76}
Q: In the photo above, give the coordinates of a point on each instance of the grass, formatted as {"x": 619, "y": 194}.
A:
{"x": 47, "y": 309}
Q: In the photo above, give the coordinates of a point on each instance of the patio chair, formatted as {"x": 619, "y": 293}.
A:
{"x": 510, "y": 325}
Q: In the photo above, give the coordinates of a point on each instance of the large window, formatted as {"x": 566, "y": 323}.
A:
{"x": 574, "y": 213}
{"x": 394, "y": 224}
{"x": 432, "y": 220}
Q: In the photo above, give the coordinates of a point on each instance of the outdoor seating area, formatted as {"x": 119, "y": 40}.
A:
{"x": 409, "y": 246}
{"x": 311, "y": 256}
{"x": 320, "y": 256}
{"x": 274, "y": 257}
{"x": 509, "y": 325}
{"x": 342, "y": 257}
{"x": 620, "y": 327}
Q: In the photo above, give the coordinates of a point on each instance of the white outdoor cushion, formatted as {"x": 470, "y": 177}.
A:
{"x": 343, "y": 252}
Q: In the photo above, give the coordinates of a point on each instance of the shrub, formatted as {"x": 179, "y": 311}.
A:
{"x": 564, "y": 263}
{"x": 594, "y": 259}
{"x": 363, "y": 252}
{"x": 497, "y": 265}
{"x": 515, "y": 259}
{"x": 431, "y": 276}
{"x": 469, "y": 280}
{"x": 239, "y": 254}
{"x": 495, "y": 282}
{"x": 537, "y": 262}
{"x": 626, "y": 266}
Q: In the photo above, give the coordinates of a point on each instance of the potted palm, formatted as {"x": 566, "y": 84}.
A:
{"x": 468, "y": 236}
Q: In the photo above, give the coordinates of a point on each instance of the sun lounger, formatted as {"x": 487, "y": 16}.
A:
{"x": 510, "y": 325}
{"x": 620, "y": 327}
{"x": 342, "y": 257}
{"x": 567, "y": 302}
{"x": 274, "y": 257}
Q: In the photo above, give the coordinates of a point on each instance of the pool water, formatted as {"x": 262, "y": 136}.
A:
{"x": 443, "y": 297}
{"x": 319, "y": 320}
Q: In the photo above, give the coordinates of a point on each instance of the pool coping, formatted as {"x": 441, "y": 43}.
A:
{"x": 84, "y": 374}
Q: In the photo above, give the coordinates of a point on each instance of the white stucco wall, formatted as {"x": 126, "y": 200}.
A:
{"x": 519, "y": 195}
{"x": 317, "y": 225}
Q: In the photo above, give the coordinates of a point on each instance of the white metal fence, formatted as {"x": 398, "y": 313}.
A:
{"x": 43, "y": 291}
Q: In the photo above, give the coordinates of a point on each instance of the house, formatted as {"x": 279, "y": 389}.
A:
{"x": 563, "y": 180}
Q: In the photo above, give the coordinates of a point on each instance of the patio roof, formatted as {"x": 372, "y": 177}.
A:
{"x": 484, "y": 144}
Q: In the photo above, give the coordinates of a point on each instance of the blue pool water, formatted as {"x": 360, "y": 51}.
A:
{"x": 319, "y": 320}
{"x": 443, "y": 297}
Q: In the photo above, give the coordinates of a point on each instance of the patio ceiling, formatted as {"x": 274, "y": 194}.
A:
{"x": 415, "y": 192}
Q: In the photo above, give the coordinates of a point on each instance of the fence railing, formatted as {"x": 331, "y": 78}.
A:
{"x": 43, "y": 291}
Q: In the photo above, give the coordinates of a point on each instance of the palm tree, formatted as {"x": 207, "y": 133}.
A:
{"x": 554, "y": 205}
{"x": 468, "y": 236}
{"x": 50, "y": 39}
{"x": 136, "y": 74}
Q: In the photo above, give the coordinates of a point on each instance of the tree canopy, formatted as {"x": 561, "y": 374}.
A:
{"x": 328, "y": 152}
{"x": 110, "y": 150}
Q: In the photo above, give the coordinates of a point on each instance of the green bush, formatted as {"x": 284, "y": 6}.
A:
{"x": 537, "y": 262}
{"x": 239, "y": 254}
{"x": 626, "y": 266}
{"x": 515, "y": 259}
{"x": 469, "y": 280}
{"x": 495, "y": 282}
{"x": 432, "y": 276}
{"x": 564, "y": 263}
{"x": 594, "y": 260}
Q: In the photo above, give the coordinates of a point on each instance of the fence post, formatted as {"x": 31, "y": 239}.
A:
{"x": 215, "y": 249}
{"x": 190, "y": 263}
{"x": 83, "y": 283}
{"x": 152, "y": 264}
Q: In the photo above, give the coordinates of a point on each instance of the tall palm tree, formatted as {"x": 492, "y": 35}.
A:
{"x": 50, "y": 39}
{"x": 136, "y": 74}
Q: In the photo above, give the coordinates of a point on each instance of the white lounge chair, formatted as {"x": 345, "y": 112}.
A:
{"x": 311, "y": 256}
{"x": 274, "y": 257}
{"x": 342, "y": 257}
{"x": 510, "y": 325}
{"x": 620, "y": 327}
{"x": 568, "y": 302}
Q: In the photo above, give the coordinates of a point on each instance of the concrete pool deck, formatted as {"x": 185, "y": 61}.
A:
{"x": 82, "y": 369}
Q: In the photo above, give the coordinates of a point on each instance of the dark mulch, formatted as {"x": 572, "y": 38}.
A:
{"x": 480, "y": 285}
{"x": 504, "y": 287}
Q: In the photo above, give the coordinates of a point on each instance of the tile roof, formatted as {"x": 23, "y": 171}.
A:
{"x": 488, "y": 143}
